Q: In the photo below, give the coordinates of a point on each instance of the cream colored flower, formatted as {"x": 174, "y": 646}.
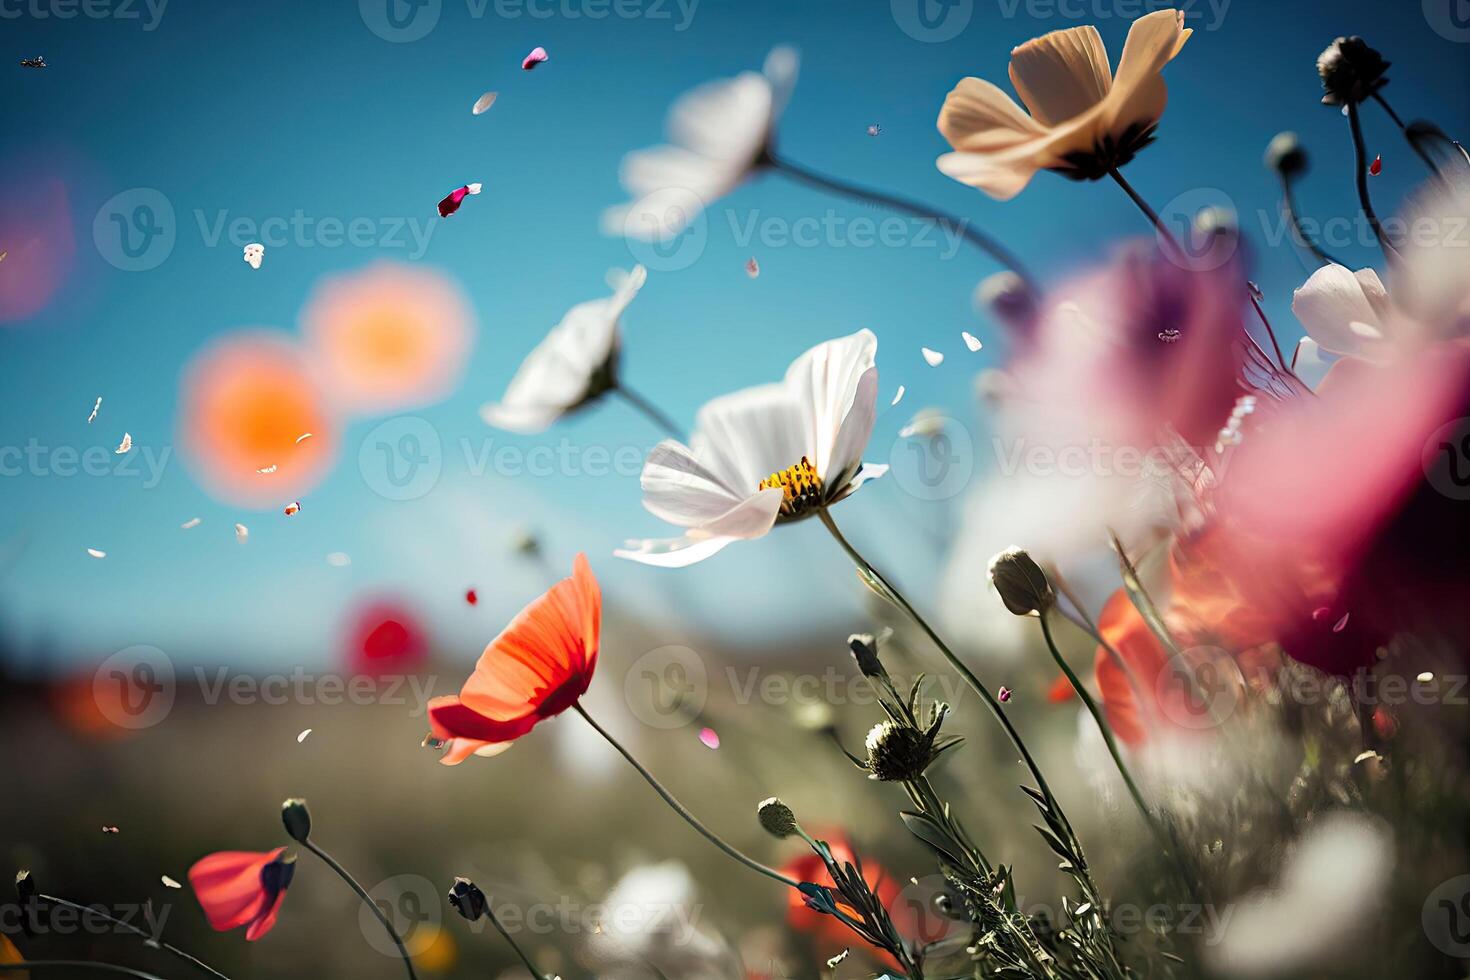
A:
{"x": 1348, "y": 313}
{"x": 1083, "y": 121}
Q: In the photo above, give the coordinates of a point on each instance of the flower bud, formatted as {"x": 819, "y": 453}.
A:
{"x": 1285, "y": 156}
{"x": 1022, "y": 585}
{"x": 898, "y": 753}
{"x": 864, "y": 647}
{"x": 1351, "y": 71}
{"x": 467, "y": 899}
{"x": 776, "y": 817}
{"x": 297, "y": 820}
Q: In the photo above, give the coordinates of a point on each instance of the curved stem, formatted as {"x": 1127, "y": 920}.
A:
{"x": 974, "y": 236}
{"x": 959, "y": 667}
{"x": 1399, "y": 122}
{"x": 1360, "y": 151}
{"x": 43, "y": 965}
{"x": 680, "y": 808}
{"x": 495, "y": 921}
{"x": 653, "y": 413}
{"x": 1152, "y": 216}
{"x": 1293, "y": 217}
{"x": 1270, "y": 332}
{"x": 366, "y": 900}
{"x": 129, "y": 927}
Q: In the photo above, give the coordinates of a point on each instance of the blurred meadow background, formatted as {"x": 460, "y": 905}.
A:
{"x": 163, "y": 138}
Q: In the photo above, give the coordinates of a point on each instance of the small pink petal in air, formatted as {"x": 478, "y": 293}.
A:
{"x": 709, "y": 737}
{"x": 537, "y": 55}
{"x": 752, "y": 267}
{"x": 294, "y": 507}
{"x": 1004, "y": 694}
{"x": 456, "y": 197}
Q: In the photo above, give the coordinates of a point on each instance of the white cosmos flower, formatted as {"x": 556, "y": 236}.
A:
{"x": 576, "y": 363}
{"x": 718, "y": 134}
{"x": 776, "y": 452}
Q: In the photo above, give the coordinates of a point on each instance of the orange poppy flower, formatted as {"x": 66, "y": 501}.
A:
{"x": 242, "y": 888}
{"x": 389, "y": 337}
{"x": 1143, "y": 654}
{"x": 255, "y": 421}
{"x": 536, "y": 668}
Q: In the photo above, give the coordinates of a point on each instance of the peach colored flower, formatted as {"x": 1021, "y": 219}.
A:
{"x": 390, "y": 336}
{"x": 246, "y": 401}
{"x": 1084, "y": 121}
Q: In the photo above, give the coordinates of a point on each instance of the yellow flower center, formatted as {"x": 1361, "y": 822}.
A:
{"x": 801, "y": 488}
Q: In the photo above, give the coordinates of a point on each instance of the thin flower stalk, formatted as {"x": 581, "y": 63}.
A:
{"x": 367, "y": 900}
{"x": 129, "y": 927}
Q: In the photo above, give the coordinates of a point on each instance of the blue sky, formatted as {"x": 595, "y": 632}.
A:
{"x": 303, "y": 120}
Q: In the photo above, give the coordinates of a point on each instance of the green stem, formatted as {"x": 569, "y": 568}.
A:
{"x": 651, "y": 411}
{"x": 893, "y": 202}
{"x": 129, "y": 927}
{"x": 366, "y": 900}
{"x": 990, "y": 700}
{"x": 680, "y": 808}
{"x": 495, "y": 921}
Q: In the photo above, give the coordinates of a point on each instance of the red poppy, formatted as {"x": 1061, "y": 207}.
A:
{"x": 536, "y": 668}
{"x": 242, "y": 888}
{"x": 385, "y": 638}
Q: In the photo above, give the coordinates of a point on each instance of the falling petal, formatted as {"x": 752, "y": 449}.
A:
{"x": 96, "y": 554}
{"x": 338, "y": 559}
{"x": 971, "y": 341}
{"x": 537, "y": 55}
{"x": 125, "y": 446}
{"x": 483, "y": 103}
{"x": 1425, "y": 677}
{"x": 242, "y": 533}
{"x": 456, "y": 197}
{"x": 1341, "y": 624}
{"x": 1377, "y": 166}
{"x": 303, "y": 437}
{"x": 875, "y": 130}
{"x": 190, "y": 523}
{"x": 294, "y": 507}
{"x": 709, "y": 737}
{"x": 897, "y": 396}
{"x": 471, "y": 597}
{"x": 170, "y": 883}
{"x": 933, "y": 357}
{"x": 1004, "y": 694}
{"x": 752, "y": 267}
{"x": 254, "y": 252}
{"x": 109, "y": 830}
{"x": 94, "y": 410}
{"x": 302, "y": 737}
{"x": 267, "y": 469}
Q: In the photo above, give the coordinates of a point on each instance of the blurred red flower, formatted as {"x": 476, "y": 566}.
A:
{"x": 824, "y": 928}
{"x": 385, "y": 637}
{"x": 242, "y": 888}
{"x": 536, "y": 668}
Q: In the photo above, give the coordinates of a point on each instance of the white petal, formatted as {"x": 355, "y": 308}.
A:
{"x": 751, "y": 518}
{"x": 897, "y": 396}
{"x": 727, "y": 119}
{"x": 824, "y": 382}
{"x": 857, "y": 429}
{"x": 932, "y": 357}
{"x": 671, "y": 552}
{"x": 780, "y": 70}
{"x": 679, "y": 489}
{"x": 1330, "y": 303}
{"x": 971, "y": 341}
{"x": 1312, "y": 363}
{"x": 747, "y": 435}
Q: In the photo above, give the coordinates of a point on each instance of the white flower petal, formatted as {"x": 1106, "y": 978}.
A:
{"x": 971, "y": 341}
{"x": 751, "y": 518}
{"x": 747, "y": 435}
{"x": 1328, "y": 305}
{"x": 932, "y": 357}
{"x": 857, "y": 429}
{"x": 824, "y": 382}
{"x": 679, "y": 489}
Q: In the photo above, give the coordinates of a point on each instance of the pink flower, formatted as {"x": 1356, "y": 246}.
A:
{"x": 537, "y": 55}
